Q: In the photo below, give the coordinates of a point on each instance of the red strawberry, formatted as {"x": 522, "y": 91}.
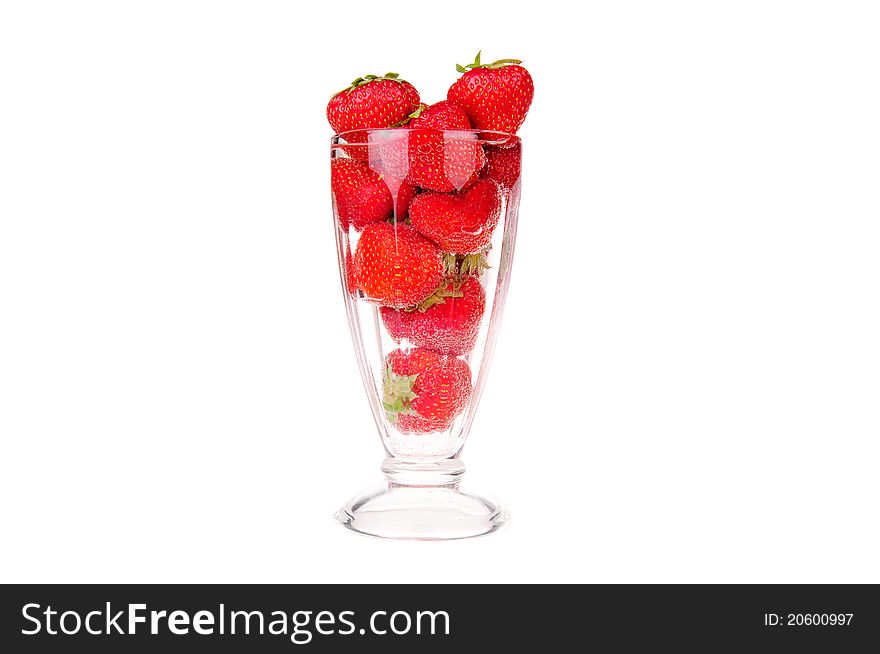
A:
{"x": 440, "y": 161}
{"x": 372, "y": 102}
{"x": 396, "y": 266}
{"x": 496, "y": 96}
{"x": 447, "y": 322}
{"x": 460, "y": 223}
{"x": 440, "y": 115}
{"x": 423, "y": 391}
{"x": 503, "y": 165}
{"x": 362, "y": 197}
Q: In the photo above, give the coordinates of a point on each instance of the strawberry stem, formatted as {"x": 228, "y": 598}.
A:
{"x": 439, "y": 296}
{"x": 412, "y": 116}
{"x": 477, "y": 64}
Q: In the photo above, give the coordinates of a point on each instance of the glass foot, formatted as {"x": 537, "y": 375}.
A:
{"x": 421, "y": 513}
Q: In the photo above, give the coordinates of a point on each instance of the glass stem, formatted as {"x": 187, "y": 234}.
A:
{"x": 442, "y": 472}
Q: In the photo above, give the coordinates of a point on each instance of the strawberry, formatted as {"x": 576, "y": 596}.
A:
{"x": 461, "y": 223}
{"x": 424, "y": 391}
{"x": 440, "y": 115}
{"x": 503, "y": 165}
{"x": 362, "y": 197}
{"x": 496, "y": 96}
{"x": 372, "y": 102}
{"x": 439, "y": 161}
{"x": 447, "y": 322}
{"x": 395, "y": 266}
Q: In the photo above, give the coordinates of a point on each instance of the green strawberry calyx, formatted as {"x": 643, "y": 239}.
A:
{"x": 412, "y": 116}
{"x": 397, "y": 394}
{"x": 474, "y": 264}
{"x": 366, "y": 79}
{"x": 450, "y": 264}
{"x": 462, "y": 266}
{"x": 477, "y": 64}
{"x": 439, "y": 296}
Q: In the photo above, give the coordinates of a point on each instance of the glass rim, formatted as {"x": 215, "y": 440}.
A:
{"x": 498, "y": 137}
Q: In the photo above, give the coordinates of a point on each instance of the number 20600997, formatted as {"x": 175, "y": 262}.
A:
{"x": 808, "y": 619}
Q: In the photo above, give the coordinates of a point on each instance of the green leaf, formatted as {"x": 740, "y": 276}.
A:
{"x": 477, "y": 58}
{"x": 460, "y": 68}
{"x": 391, "y": 75}
{"x": 397, "y": 394}
{"x": 431, "y": 301}
{"x": 450, "y": 265}
{"x": 474, "y": 264}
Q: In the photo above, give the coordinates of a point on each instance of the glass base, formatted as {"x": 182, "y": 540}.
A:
{"x": 426, "y": 511}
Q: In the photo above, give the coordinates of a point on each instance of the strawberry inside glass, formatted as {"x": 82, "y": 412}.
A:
{"x": 425, "y": 275}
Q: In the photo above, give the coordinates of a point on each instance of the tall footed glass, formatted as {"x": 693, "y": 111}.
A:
{"x": 425, "y": 229}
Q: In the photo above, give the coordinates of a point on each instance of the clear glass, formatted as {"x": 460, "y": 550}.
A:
{"x": 436, "y": 195}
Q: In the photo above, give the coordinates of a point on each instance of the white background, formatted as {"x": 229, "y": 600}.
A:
{"x": 687, "y": 384}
